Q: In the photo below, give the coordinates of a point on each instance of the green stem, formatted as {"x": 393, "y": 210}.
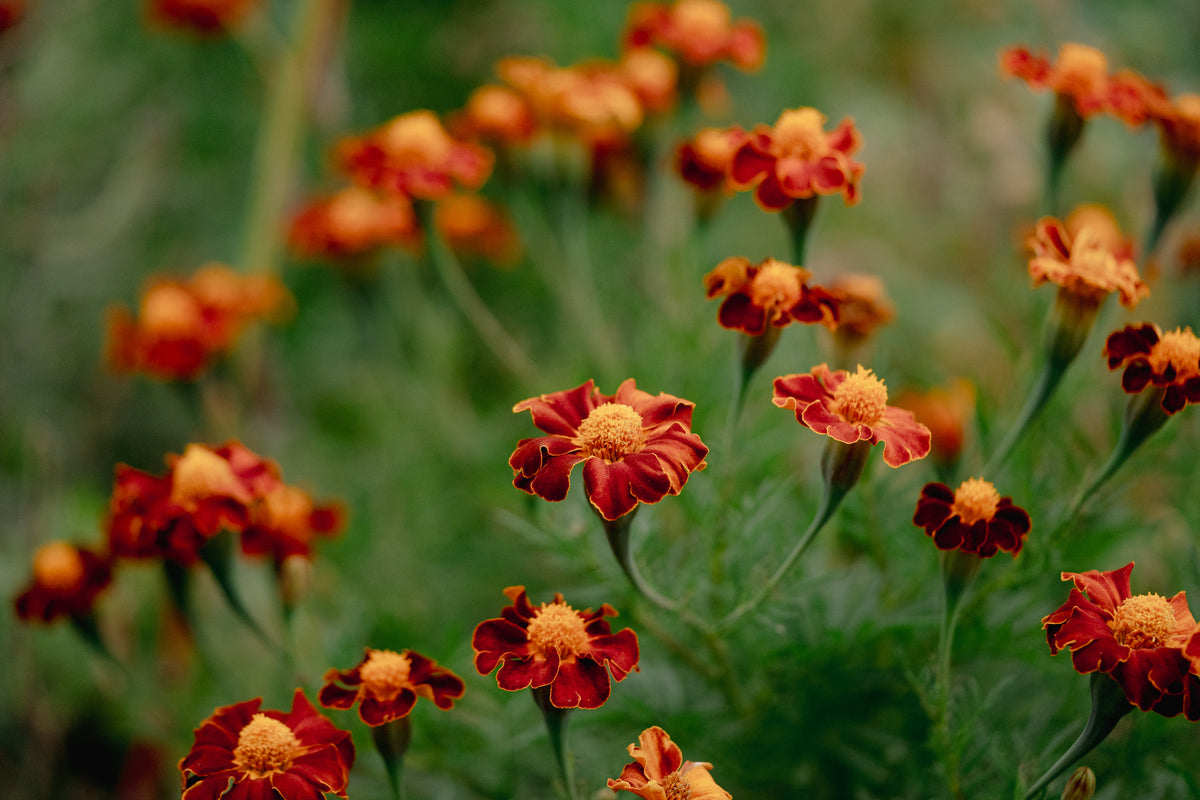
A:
{"x": 391, "y": 740}
{"x": 958, "y": 569}
{"x": 798, "y": 218}
{"x": 218, "y": 556}
{"x": 1062, "y": 134}
{"x": 556, "y": 726}
{"x": 617, "y": 532}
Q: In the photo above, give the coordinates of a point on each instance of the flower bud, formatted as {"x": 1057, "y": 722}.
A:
{"x": 1081, "y": 786}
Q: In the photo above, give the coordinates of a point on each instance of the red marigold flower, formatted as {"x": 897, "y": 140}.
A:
{"x": 1137, "y": 639}
{"x": 351, "y": 222}
{"x": 659, "y": 772}
{"x": 1179, "y": 125}
{"x": 946, "y": 412}
{"x": 863, "y": 305}
{"x": 797, "y": 159}
{"x": 241, "y": 753}
{"x": 1083, "y": 264}
{"x": 635, "y": 447}
{"x": 200, "y": 16}
{"x": 554, "y": 645}
{"x": 496, "y": 114}
{"x": 386, "y": 685}
{"x": 11, "y": 12}
{"x": 853, "y": 408}
{"x": 699, "y": 32}
{"x": 414, "y": 155}
{"x": 704, "y": 161}
{"x": 473, "y": 226}
{"x": 1169, "y": 360}
{"x": 973, "y": 518}
{"x": 285, "y": 521}
{"x": 768, "y": 293}
{"x": 1080, "y": 74}
{"x": 66, "y": 581}
{"x": 653, "y": 76}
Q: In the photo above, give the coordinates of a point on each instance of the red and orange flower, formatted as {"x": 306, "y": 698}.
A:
{"x": 241, "y": 753}
{"x": 698, "y": 32}
{"x": 352, "y": 222}
{"x": 796, "y": 159}
{"x": 853, "y": 408}
{"x": 1169, "y": 361}
{"x": 704, "y": 160}
{"x": 770, "y": 293}
{"x": 1137, "y": 639}
{"x": 474, "y": 226}
{"x": 385, "y": 685}
{"x": 553, "y": 645}
{"x": 1084, "y": 264}
{"x": 635, "y": 447}
{"x": 973, "y": 518}
{"x": 658, "y": 771}
{"x": 946, "y": 411}
{"x": 66, "y": 580}
{"x": 200, "y": 16}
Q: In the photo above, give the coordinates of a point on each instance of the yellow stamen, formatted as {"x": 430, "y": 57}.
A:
{"x": 557, "y": 626}
{"x": 58, "y": 565}
{"x": 676, "y": 787}
{"x": 1081, "y": 69}
{"x": 1179, "y": 349}
{"x": 800, "y": 132}
{"x": 265, "y": 745}
{"x": 417, "y": 136}
{"x": 974, "y": 500}
{"x": 611, "y": 431}
{"x": 702, "y": 20}
{"x": 777, "y": 285}
{"x": 385, "y": 674}
{"x": 200, "y": 474}
{"x": 1144, "y": 620}
{"x": 862, "y": 397}
{"x": 170, "y": 310}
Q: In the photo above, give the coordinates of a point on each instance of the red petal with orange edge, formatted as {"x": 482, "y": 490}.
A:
{"x": 518, "y": 673}
{"x": 740, "y": 314}
{"x": 582, "y": 684}
{"x": 619, "y": 651}
{"x": 496, "y": 638}
{"x": 1106, "y": 589}
{"x": 608, "y": 488}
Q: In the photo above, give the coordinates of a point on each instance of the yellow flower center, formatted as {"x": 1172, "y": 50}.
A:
{"x": 611, "y": 431}
{"x": 1081, "y": 69}
{"x": 974, "y": 500}
{"x": 385, "y": 674}
{"x": 713, "y": 147}
{"x": 676, "y": 787}
{"x": 200, "y": 474}
{"x": 57, "y": 565}
{"x": 776, "y": 285}
{"x": 1144, "y": 620}
{"x": 800, "y": 132}
{"x": 265, "y": 745}
{"x": 557, "y": 626}
{"x": 1179, "y": 349}
{"x": 862, "y": 397}
{"x": 417, "y": 136}
{"x": 170, "y": 310}
{"x": 702, "y": 20}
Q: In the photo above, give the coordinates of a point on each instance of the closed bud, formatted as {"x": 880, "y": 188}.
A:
{"x": 1081, "y": 786}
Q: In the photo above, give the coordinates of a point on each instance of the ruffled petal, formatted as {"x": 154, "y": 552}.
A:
{"x": 580, "y": 684}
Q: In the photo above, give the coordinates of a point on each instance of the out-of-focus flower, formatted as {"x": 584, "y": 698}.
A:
{"x": 770, "y": 293}
{"x": 11, "y": 12}
{"x": 653, "y": 77}
{"x": 385, "y": 685}
{"x": 1083, "y": 264}
{"x": 1099, "y": 219}
{"x": 658, "y": 771}
{"x": 66, "y": 580}
{"x": 473, "y": 226}
{"x": 572, "y": 652}
{"x": 1179, "y": 124}
{"x": 945, "y": 410}
{"x": 973, "y": 518}
{"x": 414, "y": 155}
{"x": 200, "y": 16}
{"x": 241, "y": 753}
{"x": 863, "y": 305}
{"x": 796, "y": 159}
{"x": 1169, "y": 361}
{"x": 1136, "y": 639}
{"x": 635, "y": 447}
{"x": 284, "y": 521}
{"x": 853, "y": 408}
{"x": 704, "y": 160}
{"x": 697, "y": 32}
{"x": 352, "y": 222}
{"x": 498, "y": 115}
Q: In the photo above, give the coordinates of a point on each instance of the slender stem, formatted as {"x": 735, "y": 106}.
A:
{"x": 216, "y": 554}
{"x": 391, "y": 740}
{"x": 799, "y": 217}
{"x": 957, "y": 569}
{"x": 617, "y": 532}
{"x": 556, "y": 726}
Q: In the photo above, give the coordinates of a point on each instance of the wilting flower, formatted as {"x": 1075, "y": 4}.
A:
{"x": 946, "y": 411}
{"x": 1169, "y": 361}
{"x": 66, "y": 581}
{"x": 241, "y": 753}
{"x": 973, "y": 518}
{"x": 797, "y": 159}
{"x": 659, "y": 772}
{"x": 1137, "y": 639}
{"x": 473, "y": 226}
{"x": 386, "y": 685}
{"x": 353, "y": 222}
{"x": 853, "y": 408}
{"x": 770, "y": 293}
{"x": 698, "y": 32}
{"x": 553, "y": 645}
{"x": 635, "y": 447}
{"x": 1083, "y": 264}
{"x": 200, "y": 16}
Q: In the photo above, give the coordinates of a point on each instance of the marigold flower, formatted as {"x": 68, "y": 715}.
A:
{"x": 1179, "y": 125}
{"x": 973, "y": 518}
{"x": 863, "y": 305}
{"x": 853, "y": 408}
{"x": 386, "y": 685}
{"x": 1083, "y": 264}
{"x": 659, "y": 772}
{"x": 66, "y": 580}
{"x": 473, "y": 226}
{"x": 698, "y": 32}
{"x": 797, "y": 159}
{"x": 1137, "y": 639}
{"x": 635, "y": 447}
{"x": 285, "y": 522}
{"x": 770, "y": 293}
{"x": 351, "y": 222}
{"x": 1080, "y": 73}
{"x": 241, "y": 753}
{"x": 946, "y": 412}
{"x": 573, "y": 652}
{"x": 200, "y": 16}
{"x": 652, "y": 76}
{"x": 704, "y": 160}
{"x": 499, "y": 115}
{"x": 11, "y": 12}
{"x": 1168, "y": 360}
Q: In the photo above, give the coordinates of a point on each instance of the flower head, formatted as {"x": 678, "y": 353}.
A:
{"x": 973, "y": 518}
{"x": 66, "y": 581}
{"x": 241, "y": 753}
{"x": 704, "y": 160}
{"x": 1179, "y": 127}
{"x": 200, "y": 16}
{"x": 473, "y": 226}
{"x": 797, "y": 159}
{"x": 635, "y": 447}
{"x": 1137, "y": 639}
{"x": 769, "y": 293}
{"x": 1170, "y": 361}
{"x": 573, "y": 652}
{"x": 658, "y": 772}
{"x": 1083, "y": 264}
{"x": 863, "y": 305}
{"x": 386, "y": 685}
{"x": 698, "y": 32}
{"x": 499, "y": 115}
{"x": 352, "y": 222}
{"x": 853, "y": 408}
{"x": 946, "y": 411}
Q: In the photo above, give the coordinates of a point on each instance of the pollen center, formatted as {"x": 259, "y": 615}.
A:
{"x": 776, "y": 285}
{"x": 57, "y": 565}
{"x": 676, "y": 787}
{"x": 200, "y": 473}
{"x": 862, "y": 397}
{"x": 1144, "y": 620}
{"x": 800, "y": 132}
{"x": 417, "y": 137}
{"x": 385, "y": 674}
{"x": 974, "y": 500}
{"x": 1092, "y": 258}
{"x": 265, "y": 745}
{"x": 557, "y": 626}
{"x": 611, "y": 431}
{"x": 170, "y": 310}
{"x": 1179, "y": 349}
{"x": 1081, "y": 69}
{"x": 702, "y": 20}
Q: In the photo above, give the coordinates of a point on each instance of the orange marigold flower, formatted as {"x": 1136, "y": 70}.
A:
{"x": 496, "y": 114}
{"x": 698, "y": 32}
{"x": 635, "y": 447}
{"x": 853, "y": 408}
{"x": 572, "y": 652}
{"x": 386, "y": 685}
{"x": 1179, "y": 125}
{"x": 863, "y": 305}
{"x": 769, "y": 293}
{"x": 653, "y": 76}
{"x": 973, "y": 518}
{"x": 797, "y": 159}
{"x": 945, "y": 411}
{"x": 658, "y": 771}
{"x": 1083, "y": 264}
{"x": 474, "y": 226}
{"x": 351, "y": 222}
{"x": 414, "y": 155}
{"x": 241, "y": 753}
{"x": 1137, "y": 639}
{"x": 200, "y": 16}
{"x": 66, "y": 580}
{"x": 704, "y": 160}
{"x": 1170, "y": 361}
{"x": 284, "y": 521}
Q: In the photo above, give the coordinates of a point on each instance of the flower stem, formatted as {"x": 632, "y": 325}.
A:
{"x": 617, "y": 531}
{"x": 391, "y": 740}
{"x": 217, "y": 555}
{"x": 556, "y": 726}
{"x": 957, "y": 569}
{"x": 798, "y": 217}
